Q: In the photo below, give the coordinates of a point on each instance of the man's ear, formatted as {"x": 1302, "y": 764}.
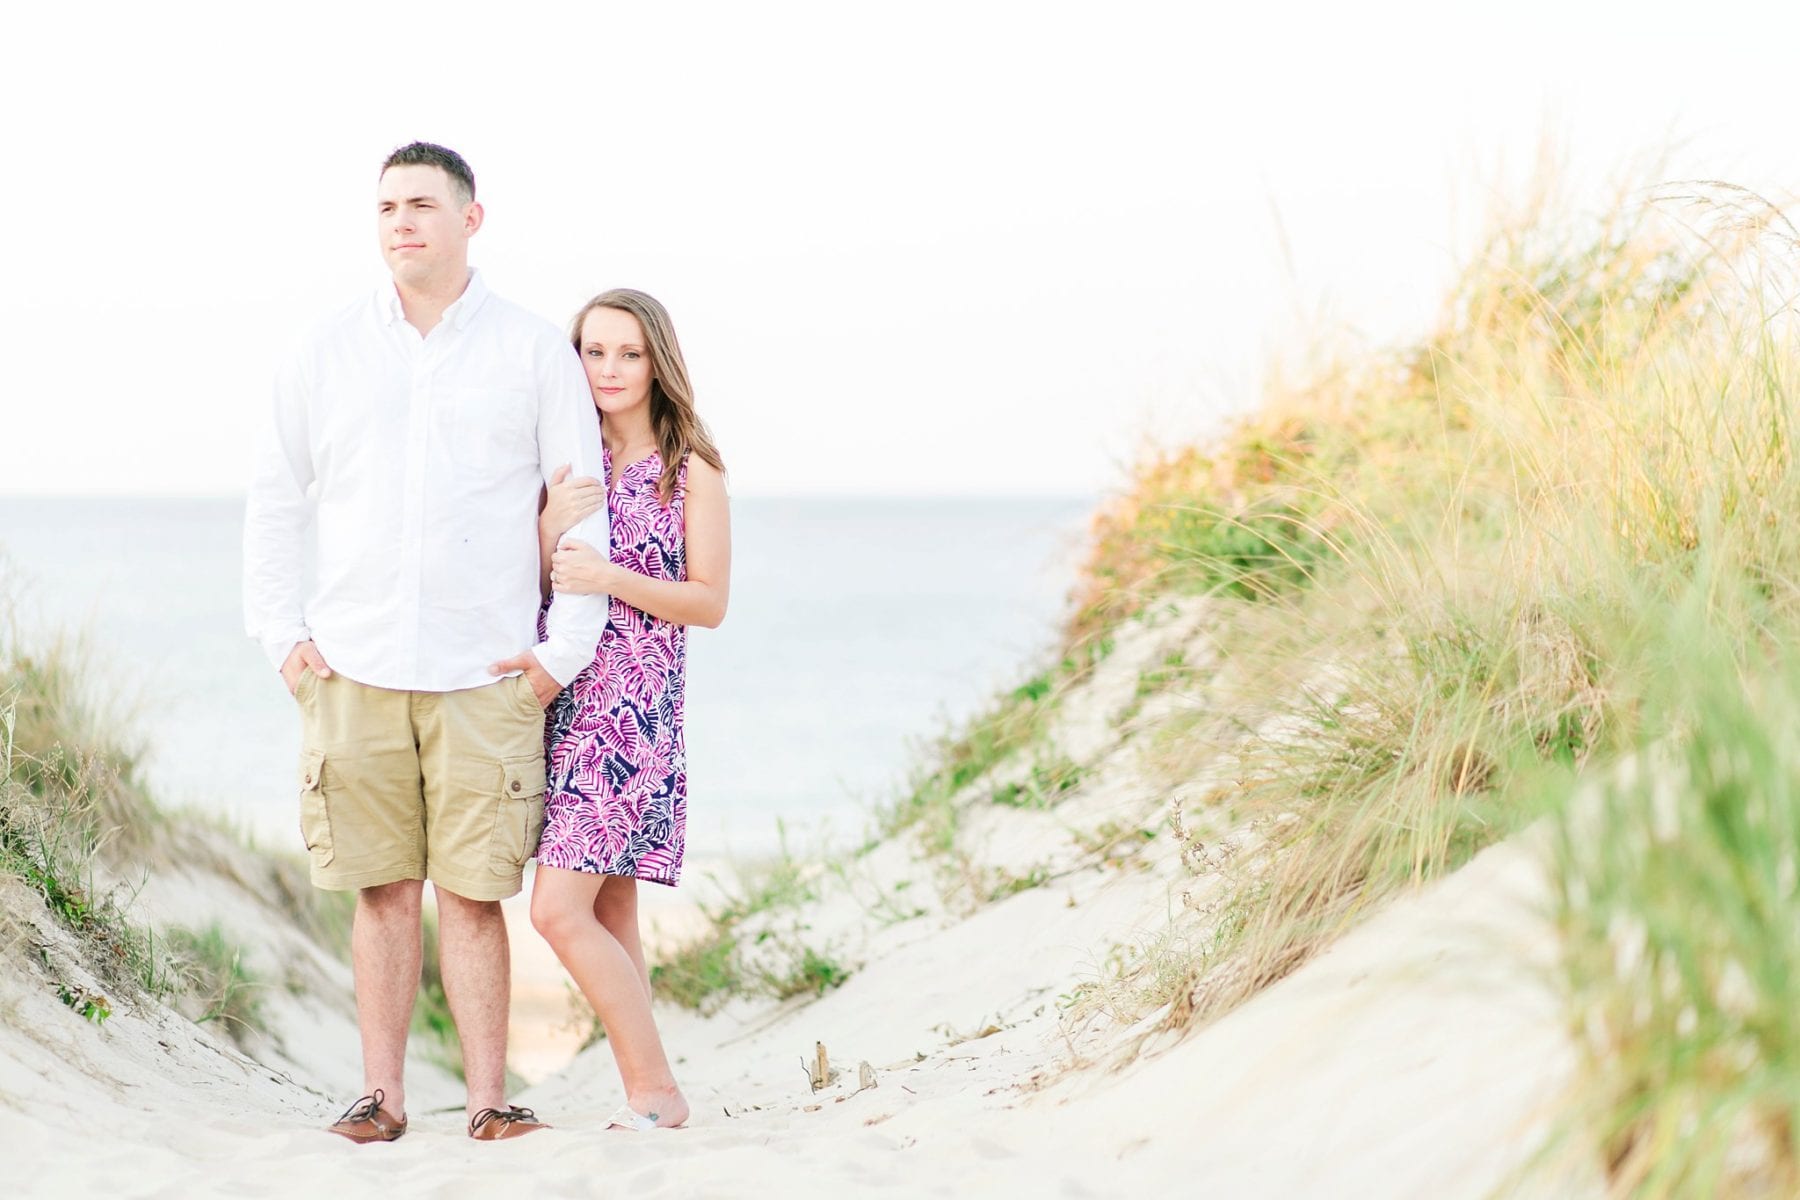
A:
{"x": 473, "y": 216}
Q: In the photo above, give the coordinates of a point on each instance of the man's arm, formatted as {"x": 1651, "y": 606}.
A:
{"x": 275, "y": 518}
{"x": 569, "y": 432}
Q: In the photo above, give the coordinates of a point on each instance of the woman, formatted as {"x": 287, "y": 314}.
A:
{"x": 616, "y": 809}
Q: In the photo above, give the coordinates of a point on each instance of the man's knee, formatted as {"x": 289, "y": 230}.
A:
{"x": 392, "y": 901}
{"x": 455, "y": 909}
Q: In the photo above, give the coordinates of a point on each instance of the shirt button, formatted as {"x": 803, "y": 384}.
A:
{"x": 515, "y": 785}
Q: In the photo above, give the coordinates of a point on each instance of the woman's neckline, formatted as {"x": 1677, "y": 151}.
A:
{"x": 619, "y": 474}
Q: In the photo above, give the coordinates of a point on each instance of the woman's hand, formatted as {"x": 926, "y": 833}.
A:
{"x": 569, "y": 500}
{"x": 578, "y": 567}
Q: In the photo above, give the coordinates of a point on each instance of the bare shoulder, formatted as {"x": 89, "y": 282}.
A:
{"x": 704, "y": 478}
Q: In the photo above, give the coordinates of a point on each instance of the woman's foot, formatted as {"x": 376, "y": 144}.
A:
{"x": 652, "y": 1110}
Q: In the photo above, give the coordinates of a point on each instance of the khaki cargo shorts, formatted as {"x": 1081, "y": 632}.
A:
{"x": 445, "y": 786}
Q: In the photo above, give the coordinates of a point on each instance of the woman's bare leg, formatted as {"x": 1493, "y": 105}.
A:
{"x": 564, "y": 908}
{"x": 616, "y": 908}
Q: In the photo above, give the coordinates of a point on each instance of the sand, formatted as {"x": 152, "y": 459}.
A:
{"x": 1424, "y": 1054}
{"x": 1420, "y": 1056}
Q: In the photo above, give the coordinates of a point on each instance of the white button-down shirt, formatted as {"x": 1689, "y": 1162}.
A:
{"x": 416, "y": 461}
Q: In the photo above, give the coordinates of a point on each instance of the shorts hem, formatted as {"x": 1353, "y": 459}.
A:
{"x": 469, "y": 889}
{"x": 336, "y": 881}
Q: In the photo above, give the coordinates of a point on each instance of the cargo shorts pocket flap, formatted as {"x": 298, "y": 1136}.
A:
{"x": 520, "y": 819}
{"x": 315, "y": 814}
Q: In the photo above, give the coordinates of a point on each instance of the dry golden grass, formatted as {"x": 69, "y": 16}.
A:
{"x": 1454, "y": 580}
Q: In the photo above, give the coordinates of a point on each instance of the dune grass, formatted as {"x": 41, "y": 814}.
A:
{"x": 74, "y": 812}
{"x": 68, "y": 788}
{"x": 755, "y": 943}
{"x": 216, "y": 985}
{"x": 1682, "y": 920}
{"x": 1455, "y": 584}
{"x": 1541, "y": 567}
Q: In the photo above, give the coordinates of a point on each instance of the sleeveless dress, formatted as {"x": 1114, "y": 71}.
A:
{"x": 617, "y": 797}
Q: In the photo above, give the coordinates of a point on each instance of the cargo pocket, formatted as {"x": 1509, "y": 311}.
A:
{"x": 519, "y": 817}
{"x": 315, "y": 815}
{"x": 524, "y": 698}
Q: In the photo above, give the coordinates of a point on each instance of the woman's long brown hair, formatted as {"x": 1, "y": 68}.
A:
{"x": 678, "y": 428}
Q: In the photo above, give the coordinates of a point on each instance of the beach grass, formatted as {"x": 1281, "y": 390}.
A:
{"x": 1681, "y": 918}
{"x": 1540, "y": 568}
{"x": 217, "y": 984}
{"x": 1455, "y": 584}
{"x": 753, "y": 944}
{"x": 76, "y": 820}
{"x": 68, "y": 789}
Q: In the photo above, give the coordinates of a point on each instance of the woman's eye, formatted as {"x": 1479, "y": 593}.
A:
{"x": 631, "y": 354}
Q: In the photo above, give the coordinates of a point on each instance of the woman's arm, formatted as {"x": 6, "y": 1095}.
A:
{"x": 565, "y": 502}
{"x": 701, "y": 598}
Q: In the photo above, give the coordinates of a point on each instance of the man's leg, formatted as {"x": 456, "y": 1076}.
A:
{"x": 385, "y": 953}
{"x": 475, "y": 960}
{"x": 481, "y": 754}
{"x": 363, "y": 818}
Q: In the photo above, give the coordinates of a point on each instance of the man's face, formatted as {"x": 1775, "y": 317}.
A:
{"x": 423, "y": 224}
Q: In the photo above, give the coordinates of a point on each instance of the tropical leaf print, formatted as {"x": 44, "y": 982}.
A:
{"x": 617, "y": 801}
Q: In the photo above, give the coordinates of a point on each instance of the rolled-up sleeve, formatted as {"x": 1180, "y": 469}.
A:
{"x": 569, "y": 432}
{"x": 276, "y": 513}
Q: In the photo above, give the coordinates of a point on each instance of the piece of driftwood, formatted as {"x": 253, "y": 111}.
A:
{"x": 818, "y": 1072}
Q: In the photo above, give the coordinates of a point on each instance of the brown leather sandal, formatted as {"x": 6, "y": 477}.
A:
{"x": 366, "y": 1121}
{"x": 493, "y": 1124}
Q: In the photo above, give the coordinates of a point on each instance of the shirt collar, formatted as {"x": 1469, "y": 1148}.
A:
{"x": 459, "y": 314}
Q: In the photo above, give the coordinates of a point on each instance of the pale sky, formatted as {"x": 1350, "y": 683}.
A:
{"x": 909, "y": 248}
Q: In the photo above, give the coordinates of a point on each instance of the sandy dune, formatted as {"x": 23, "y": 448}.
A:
{"x": 1420, "y": 1056}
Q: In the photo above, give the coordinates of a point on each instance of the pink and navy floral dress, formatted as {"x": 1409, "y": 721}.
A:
{"x": 617, "y": 800}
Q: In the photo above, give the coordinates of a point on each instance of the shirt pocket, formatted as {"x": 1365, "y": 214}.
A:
{"x": 489, "y": 429}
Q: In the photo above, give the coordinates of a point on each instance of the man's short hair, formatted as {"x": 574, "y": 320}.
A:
{"x": 429, "y": 154}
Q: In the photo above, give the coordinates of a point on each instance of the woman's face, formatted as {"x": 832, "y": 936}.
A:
{"x": 617, "y": 358}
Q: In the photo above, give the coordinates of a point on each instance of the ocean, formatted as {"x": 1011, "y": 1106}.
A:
{"x": 858, "y": 630}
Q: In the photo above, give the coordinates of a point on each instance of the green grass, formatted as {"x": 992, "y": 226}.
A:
{"x": 1014, "y": 724}
{"x": 706, "y": 971}
{"x": 1005, "y": 883}
{"x": 811, "y": 972}
{"x": 216, "y": 983}
{"x": 1114, "y": 843}
{"x": 1489, "y": 539}
{"x": 68, "y": 788}
{"x": 700, "y": 974}
{"x": 70, "y": 794}
{"x": 1044, "y": 784}
{"x": 1680, "y": 906}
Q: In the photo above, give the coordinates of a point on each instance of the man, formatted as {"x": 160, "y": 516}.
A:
{"x": 413, "y": 430}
